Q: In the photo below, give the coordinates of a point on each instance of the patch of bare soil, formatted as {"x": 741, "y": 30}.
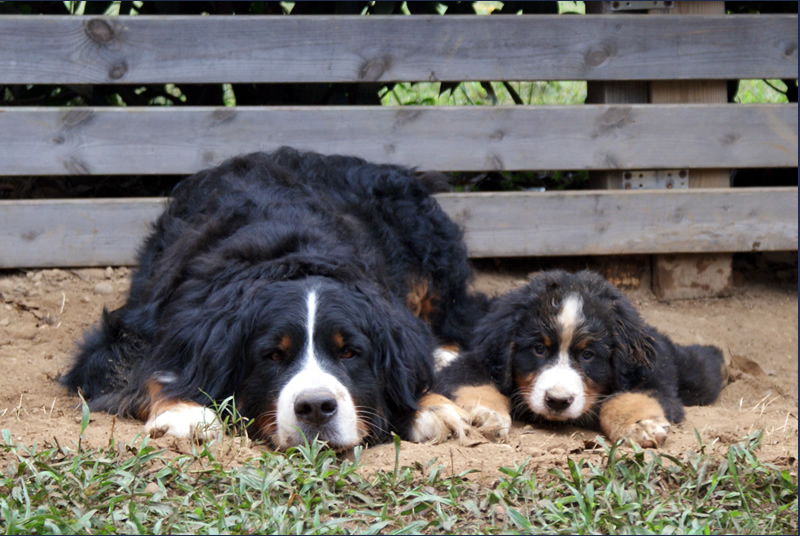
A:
{"x": 43, "y": 314}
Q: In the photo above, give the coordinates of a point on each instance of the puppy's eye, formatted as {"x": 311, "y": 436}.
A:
{"x": 587, "y": 355}
{"x": 539, "y": 349}
{"x": 347, "y": 353}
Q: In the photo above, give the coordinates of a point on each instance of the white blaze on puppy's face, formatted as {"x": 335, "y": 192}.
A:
{"x": 558, "y": 391}
{"x": 342, "y": 429}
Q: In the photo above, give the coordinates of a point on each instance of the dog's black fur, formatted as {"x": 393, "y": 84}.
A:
{"x": 220, "y": 278}
{"x": 613, "y": 351}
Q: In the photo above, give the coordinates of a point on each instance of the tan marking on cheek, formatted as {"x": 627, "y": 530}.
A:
{"x": 592, "y": 392}
{"x": 470, "y": 396}
{"x": 525, "y": 383}
{"x": 362, "y": 426}
{"x": 625, "y": 409}
{"x": 266, "y": 425}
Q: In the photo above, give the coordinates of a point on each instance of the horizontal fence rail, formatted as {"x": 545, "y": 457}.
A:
{"x": 194, "y": 49}
{"x": 109, "y": 231}
{"x": 178, "y": 140}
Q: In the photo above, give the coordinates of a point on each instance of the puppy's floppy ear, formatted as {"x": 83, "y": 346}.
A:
{"x": 636, "y": 343}
{"x": 492, "y": 343}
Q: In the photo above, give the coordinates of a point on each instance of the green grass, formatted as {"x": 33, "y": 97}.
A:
{"x": 135, "y": 488}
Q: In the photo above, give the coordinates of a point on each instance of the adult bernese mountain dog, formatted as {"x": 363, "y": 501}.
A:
{"x": 314, "y": 289}
{"x": 570, "y": 347}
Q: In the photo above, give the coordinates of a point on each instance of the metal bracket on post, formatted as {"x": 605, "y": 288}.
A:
{"x": 640, "y": 6}
{"x": 677, "y": 179}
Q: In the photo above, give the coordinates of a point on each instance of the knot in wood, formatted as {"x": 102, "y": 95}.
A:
{"x": 598, "y": 55}
{"x": 99, "y": 30}
{"x": 373, "y": 68}
{"x": 76, "y": 117}
{"x": 118, "y": 70}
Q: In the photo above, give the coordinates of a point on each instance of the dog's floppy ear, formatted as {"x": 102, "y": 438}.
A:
{"x": 404, "y": 352}
{"x": 492, "y": 343}
{"x": 203, "y": 349}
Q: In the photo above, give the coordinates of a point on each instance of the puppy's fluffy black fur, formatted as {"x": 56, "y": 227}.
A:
{"x": 220, "y": 282}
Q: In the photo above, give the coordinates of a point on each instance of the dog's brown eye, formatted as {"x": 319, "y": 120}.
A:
{"x": 346, "y": 353}
{"x": 277, "y": 355}
{"x": 587, "y": 355}
{"x": 539, "y": 349}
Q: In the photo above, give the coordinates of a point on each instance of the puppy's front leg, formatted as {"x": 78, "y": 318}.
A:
{"x": 438, "y": 419}
{"x": 635, "y": 416}
{"x": 489, "y": 409}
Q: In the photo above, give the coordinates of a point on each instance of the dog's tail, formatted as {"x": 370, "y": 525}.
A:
{"x": 702, "y": 373}
{"x": 103, "y": 369}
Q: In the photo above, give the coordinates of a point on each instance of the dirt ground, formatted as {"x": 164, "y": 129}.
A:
{"x": 43, "y": 314}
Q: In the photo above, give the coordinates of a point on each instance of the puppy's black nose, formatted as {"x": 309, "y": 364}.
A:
{"x": 558, "y": 402}
{"x": 315, "y": 407}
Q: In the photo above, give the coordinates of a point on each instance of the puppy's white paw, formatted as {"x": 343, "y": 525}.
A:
{"x": 638, "y": 417}
{"x": 491, "y": 423}
{"x": 185, "y": 419}
{"x": 648, "y": 433}
{"x": 437, "y": 420}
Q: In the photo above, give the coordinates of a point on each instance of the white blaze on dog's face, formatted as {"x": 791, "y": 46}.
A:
{"x": 558, "y": 391}
{"x": 314, "y": 400}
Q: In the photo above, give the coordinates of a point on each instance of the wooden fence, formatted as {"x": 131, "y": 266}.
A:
{"x": 611, "y": 137}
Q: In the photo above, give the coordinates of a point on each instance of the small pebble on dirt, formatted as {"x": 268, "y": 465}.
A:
{"x": 103, "y": 288}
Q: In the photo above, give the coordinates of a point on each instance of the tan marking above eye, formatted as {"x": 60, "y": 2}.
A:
{"x": 285, "y": 344}
{"x": 338, "y": 340}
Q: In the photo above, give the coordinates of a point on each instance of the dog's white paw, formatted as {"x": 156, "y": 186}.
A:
{"x": 185, "y": 419}
{"x": 437, "y": 420}
{"x": 648, "y": 433}
{"x": 490, "y": 423}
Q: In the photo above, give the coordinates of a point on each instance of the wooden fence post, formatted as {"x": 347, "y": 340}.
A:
{"x": 696, "y": 275}
{"x": 632, "y": 271}
{"x": 684, "y": 275}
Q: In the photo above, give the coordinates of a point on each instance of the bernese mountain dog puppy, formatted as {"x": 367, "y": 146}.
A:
{"x": 314, "y": 289}
{"x": 570, "y": 347}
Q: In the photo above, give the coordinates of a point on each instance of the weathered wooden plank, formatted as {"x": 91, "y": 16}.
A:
{"x": 53, "y": 141}
{"x": 74, "y": 232}
{"x": 144, "y": 49}
{"x": 108, "y": 232}
{"x": 612, "y": 222}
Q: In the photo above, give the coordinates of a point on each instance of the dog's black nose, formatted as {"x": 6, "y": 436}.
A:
{"x": 315, "y": 407}
{"x": 558, "y": 402}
